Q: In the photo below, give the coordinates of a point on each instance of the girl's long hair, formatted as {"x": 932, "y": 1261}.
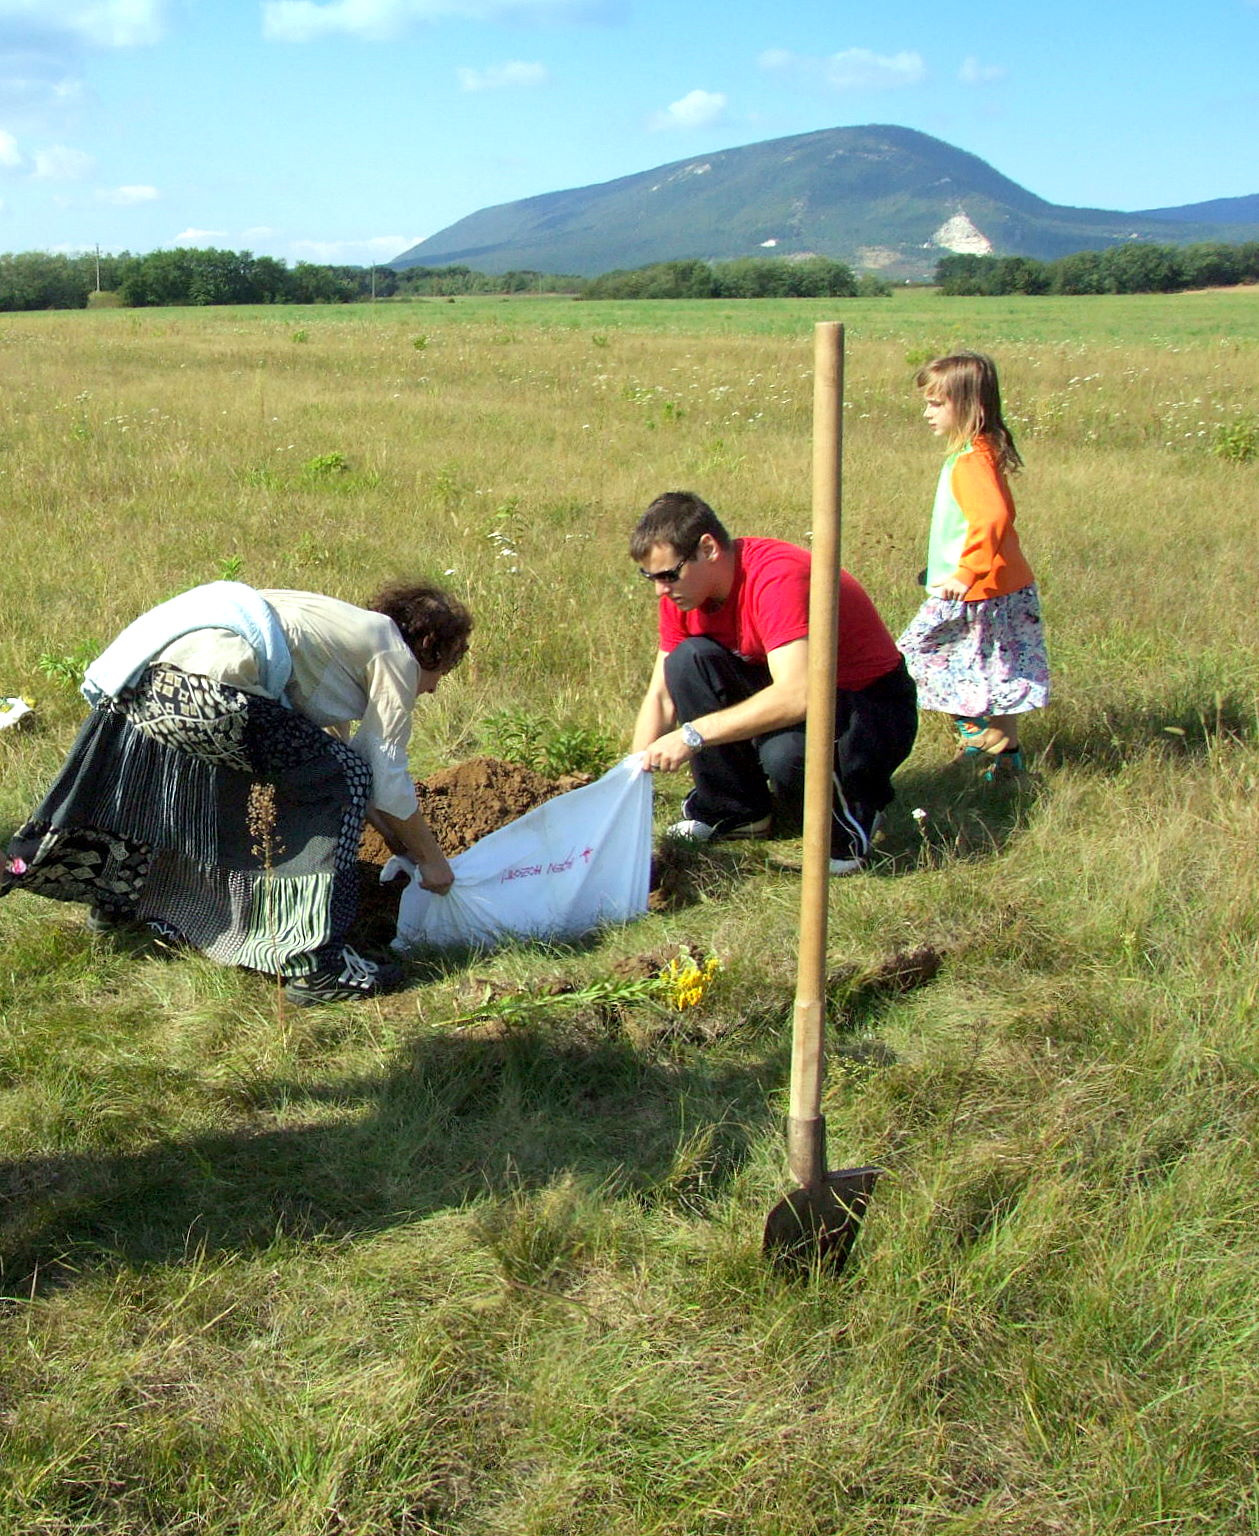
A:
{"x": 968, "y": 381}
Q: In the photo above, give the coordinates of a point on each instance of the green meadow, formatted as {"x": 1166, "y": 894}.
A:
{"x": 483, "y": 1258}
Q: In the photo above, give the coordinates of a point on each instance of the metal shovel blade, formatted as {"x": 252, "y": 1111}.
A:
{"x": 814, "y": 1227}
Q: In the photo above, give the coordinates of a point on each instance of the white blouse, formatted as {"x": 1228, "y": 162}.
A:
{"x": 348, "y": 664}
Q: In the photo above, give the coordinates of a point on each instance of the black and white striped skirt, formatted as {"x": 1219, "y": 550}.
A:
{"x": 223, "y": 817}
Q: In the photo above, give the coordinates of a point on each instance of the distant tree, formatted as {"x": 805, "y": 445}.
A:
{"x": 1248, "y": 262}
{"x": 818, "y": 277}
{"x": 41, "y": 280}
{"x": 270, "y": 281}
{"x": 311, "y": 284}
{"x": 1021, "y": 274}
{"x": 1136, "y": 267}
{"x": 871, "y": 286}
{"x": 679, "y": 280}
{"x": 782, "y": 277}
{"x": 962, "y": 275}
{"x": 1210, "y": 265}
{"x": 160, "y": 278}
{"x": 1081, "y": 272}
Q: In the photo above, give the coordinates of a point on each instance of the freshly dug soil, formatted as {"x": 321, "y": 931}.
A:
{"x": 462, "y": 805}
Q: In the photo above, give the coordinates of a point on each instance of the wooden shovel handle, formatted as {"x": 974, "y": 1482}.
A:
{"x": 806, "y": 1130}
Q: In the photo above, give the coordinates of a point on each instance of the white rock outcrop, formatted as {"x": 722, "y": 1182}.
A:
{"x": 960, "y": 236}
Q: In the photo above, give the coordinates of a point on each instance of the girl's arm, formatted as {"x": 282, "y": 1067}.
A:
{"x": 980, "y": 490}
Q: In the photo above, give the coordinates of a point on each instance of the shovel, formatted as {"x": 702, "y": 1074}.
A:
{"x": 816, "y": 1225}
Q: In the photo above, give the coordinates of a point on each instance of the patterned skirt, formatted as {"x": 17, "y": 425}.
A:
{"x": 980, "y": 658}
{"x": 216, "y": 815}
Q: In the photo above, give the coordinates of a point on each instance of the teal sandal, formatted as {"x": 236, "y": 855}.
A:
{"x": 970, "y": 733}
{"x": 1004, "y": 764}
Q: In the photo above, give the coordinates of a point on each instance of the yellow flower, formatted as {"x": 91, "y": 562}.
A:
{"x": 685, "y": 980}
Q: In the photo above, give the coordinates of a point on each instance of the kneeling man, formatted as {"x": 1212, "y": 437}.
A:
{"x": 729, "y": 687}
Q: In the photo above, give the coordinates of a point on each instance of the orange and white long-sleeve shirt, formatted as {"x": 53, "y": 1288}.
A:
{"x": 972, "y": 526}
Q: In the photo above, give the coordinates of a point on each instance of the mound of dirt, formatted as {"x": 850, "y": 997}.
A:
{"x": 462, "y": 805}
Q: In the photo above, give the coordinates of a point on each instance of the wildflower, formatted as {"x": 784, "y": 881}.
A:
{"x": 686, "y": 981}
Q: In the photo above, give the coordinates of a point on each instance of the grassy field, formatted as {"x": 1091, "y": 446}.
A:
{"x": 434, "y": 1266}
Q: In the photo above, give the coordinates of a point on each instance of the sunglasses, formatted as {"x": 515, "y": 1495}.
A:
{"x": 672, "y": 574}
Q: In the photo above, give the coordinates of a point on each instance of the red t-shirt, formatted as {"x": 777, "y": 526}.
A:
{"x": 768, "y": 607}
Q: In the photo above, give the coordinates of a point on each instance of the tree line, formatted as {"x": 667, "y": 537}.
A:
{"x": 813, "y": 277}
{"x": 1136, "y": 267}
{"x": 44, "y": 280}
{"x": 41, "y": 280}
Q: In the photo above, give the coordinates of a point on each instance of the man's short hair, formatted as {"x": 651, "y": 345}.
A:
{"x": 679, "y": 519}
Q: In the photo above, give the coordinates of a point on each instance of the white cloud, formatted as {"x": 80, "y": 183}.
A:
{"x": 973, "y": 72}
{"x": 128, "y": 197}
{"x": 199, "y": 236}
{"x": 852, "y": 69}
{"x": 303, "y": 21}
{"x": 10, "y": 154}
{"x": 35, "y": 81}
{"x": 96, "y": 23}
{"x": 62, "y": 164}
{"x": 499, "y": 77}
{"x": 694, "y": 110}
{"x": 299, "y": 21}
{"x": 374, "y": 250}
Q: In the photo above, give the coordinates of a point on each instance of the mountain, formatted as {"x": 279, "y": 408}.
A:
{"x": 881, "y": 198}
{"x": 1220, "y": 210}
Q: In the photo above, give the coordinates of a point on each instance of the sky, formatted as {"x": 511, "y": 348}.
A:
{"x": 348, "y": 130}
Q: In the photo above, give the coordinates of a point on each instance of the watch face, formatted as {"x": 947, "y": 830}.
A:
{"x": 691, "y": 736}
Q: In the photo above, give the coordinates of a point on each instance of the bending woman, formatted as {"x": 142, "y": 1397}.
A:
{"x": 214, "y": 793}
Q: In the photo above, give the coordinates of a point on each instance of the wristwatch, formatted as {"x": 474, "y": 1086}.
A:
{"x": 691, "y": 736}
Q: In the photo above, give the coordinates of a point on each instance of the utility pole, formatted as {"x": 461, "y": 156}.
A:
{"x": 98, "y": 269}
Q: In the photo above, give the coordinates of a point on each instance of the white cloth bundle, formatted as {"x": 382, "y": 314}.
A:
{"x": 576, "y": 862}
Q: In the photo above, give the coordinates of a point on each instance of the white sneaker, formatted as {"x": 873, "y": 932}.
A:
{"x": 858, "y": 862}
{"x": 692, "y": 831}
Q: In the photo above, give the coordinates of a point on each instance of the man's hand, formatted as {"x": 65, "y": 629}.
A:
{"x": 667, "y": 753}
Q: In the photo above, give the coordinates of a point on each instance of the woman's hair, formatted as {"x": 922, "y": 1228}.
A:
{"x": 679, "y": 519}
{"x": 435, "y": 625}
{"x": 968, "y": 381}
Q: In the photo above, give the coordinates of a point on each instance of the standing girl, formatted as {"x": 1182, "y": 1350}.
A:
{"x": 976, "y": 647}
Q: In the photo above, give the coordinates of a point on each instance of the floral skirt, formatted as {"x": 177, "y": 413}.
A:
{"x": 215, "y": 815}
{"x": 980, "y": 658}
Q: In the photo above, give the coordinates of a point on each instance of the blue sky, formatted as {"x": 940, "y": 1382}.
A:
{"x": 345, "y": 130}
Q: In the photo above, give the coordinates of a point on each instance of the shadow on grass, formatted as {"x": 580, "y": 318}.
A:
{"x": 1181, "y": 728}
{"x": 457, "y": 1117}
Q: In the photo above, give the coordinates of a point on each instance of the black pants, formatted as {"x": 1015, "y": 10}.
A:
{"x": 745, "y": 781}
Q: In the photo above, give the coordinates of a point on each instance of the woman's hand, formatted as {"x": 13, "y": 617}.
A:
{"x": 413, "y": 837}
{"x": 435, "y": 875}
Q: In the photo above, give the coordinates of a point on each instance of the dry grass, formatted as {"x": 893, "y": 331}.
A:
{"x": 359, "y": 1270}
